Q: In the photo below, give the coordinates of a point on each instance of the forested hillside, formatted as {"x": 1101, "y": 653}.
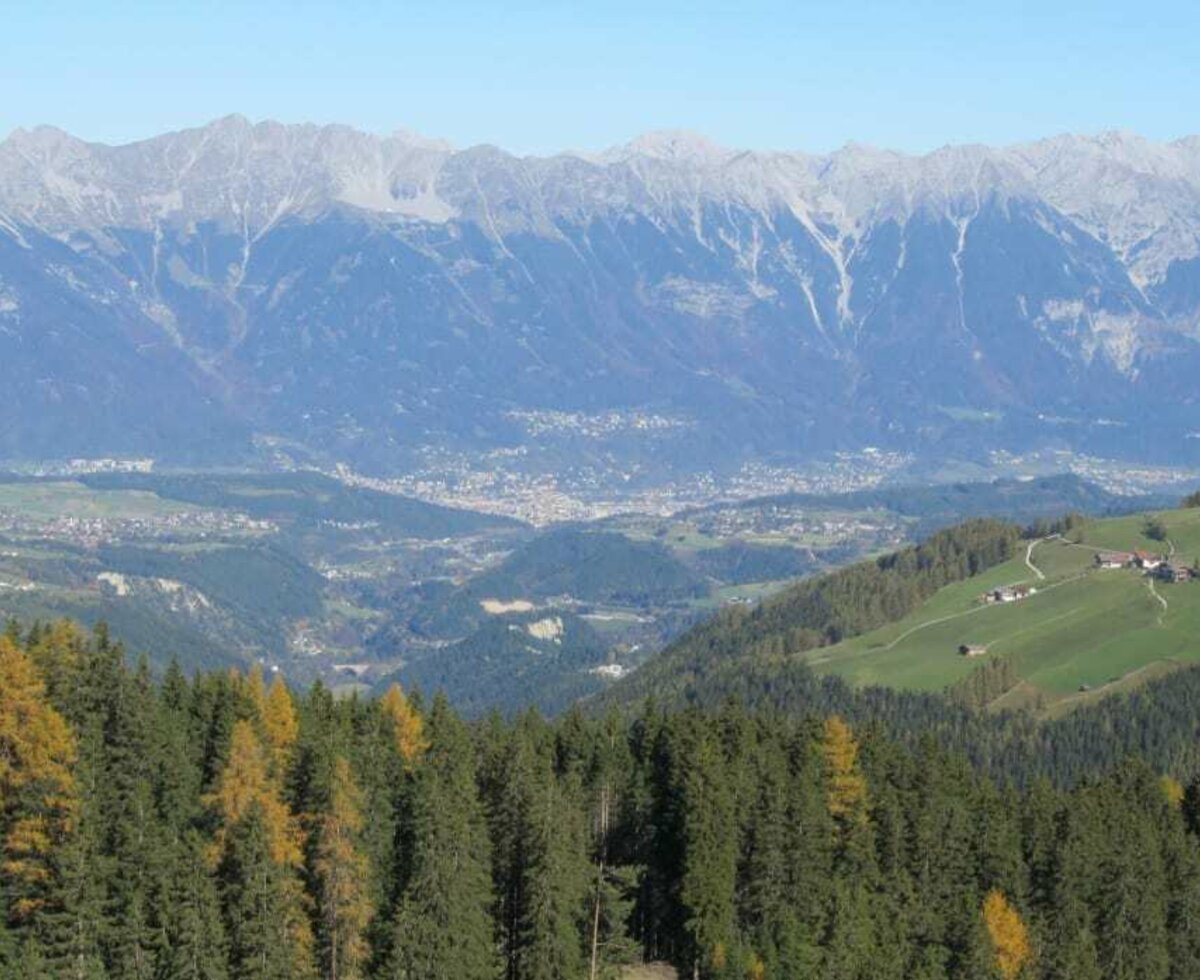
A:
{"x": 221, "y": 827}
{"x": 823, "y": 610}
{"x": 588, "y": 566}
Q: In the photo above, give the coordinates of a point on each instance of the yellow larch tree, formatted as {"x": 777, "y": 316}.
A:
{"x": 246, "y": 786}
{"x": 1008, "y": 934}
{"x": 408, "y": 725}
{"x": 846, "y": 787}
{"x": 246, "y": 782}
{"x": 342, "y": 871}
{"x": 37, "y": 786}
{"x": 255, "y": 689}
{"x": 281, "y": 728}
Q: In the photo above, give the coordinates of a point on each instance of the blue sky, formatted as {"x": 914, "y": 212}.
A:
{"x": 536, "y": 77}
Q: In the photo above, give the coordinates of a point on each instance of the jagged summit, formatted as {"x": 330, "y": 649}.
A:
{"x": 1120, "y": 185}
{"x": 354, "y": 294}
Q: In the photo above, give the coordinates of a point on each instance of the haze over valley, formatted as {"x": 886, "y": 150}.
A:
{"x": 414, "y": 393}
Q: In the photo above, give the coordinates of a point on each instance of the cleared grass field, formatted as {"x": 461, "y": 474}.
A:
{"x": 1127, "y": 533}
{"x": 47, "y": 501}
{"x": 1082, "y": 632}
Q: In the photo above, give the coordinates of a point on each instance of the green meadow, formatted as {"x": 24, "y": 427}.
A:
{"x": 1082, "y": 632}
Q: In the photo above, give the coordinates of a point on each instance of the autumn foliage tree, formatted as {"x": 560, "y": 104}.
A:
{"x": 847, "y": 788}
{"x": 344, "y": 909}
{"x": 1008, "y": 934}
{"x": 258, "y": 851}
{"x": 281, "y": 728}
{"x": 37, "y": 787}
{"x": 407, "y": 723}
{"x": 245, "y": 784}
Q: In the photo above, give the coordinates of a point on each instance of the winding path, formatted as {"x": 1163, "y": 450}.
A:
{"x": 1029, "y": 559}
{"x": 1161, "y": 601}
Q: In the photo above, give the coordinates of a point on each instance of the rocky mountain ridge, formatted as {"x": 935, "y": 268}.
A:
{"x": 355, "y": 295}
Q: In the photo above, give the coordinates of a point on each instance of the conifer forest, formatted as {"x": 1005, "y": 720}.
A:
{"x": 224, "y": 827}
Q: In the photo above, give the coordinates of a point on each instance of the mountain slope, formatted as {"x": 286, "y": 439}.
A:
{"x": 349, "y": 296}
{"x": 1074, "y": 632}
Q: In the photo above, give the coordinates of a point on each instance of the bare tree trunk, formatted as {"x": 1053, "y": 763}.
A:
{"x": 599, "y": 882}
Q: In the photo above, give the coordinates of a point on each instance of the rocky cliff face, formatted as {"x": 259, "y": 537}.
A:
{"x": 357, "y": 295}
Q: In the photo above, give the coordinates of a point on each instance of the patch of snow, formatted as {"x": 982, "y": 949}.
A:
{"x": 1119, "y": 338}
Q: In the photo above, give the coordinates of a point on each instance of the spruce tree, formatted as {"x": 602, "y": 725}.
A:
{"x": 194, "y": 945}
{"x": 710, "y": 840}
{"x": 555, "y": 880}
{"x": 443, "y": 927}
{"x": 257, "y": 904}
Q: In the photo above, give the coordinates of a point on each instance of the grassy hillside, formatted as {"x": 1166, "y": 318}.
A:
{"x": 1084, "y": 630}
{"x": 1082, "y": 633}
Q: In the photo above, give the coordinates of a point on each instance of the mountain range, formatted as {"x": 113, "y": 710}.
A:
{"x": 238, "y": 289}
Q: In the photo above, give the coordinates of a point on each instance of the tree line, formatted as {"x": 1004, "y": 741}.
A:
{"x": 821, "y": 611}
{"x": 227, "y": 828}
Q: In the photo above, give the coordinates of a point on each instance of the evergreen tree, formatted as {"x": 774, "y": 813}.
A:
{"x": 258, "y": 904}
{"x": 443, "y": 929}
{"x": 707, "y": 887}
{"x": 1131, "y": 901}
{"x": 194, "y": 945}
{"x": 70, "y": 928}
{"x": 555, "y": 881}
